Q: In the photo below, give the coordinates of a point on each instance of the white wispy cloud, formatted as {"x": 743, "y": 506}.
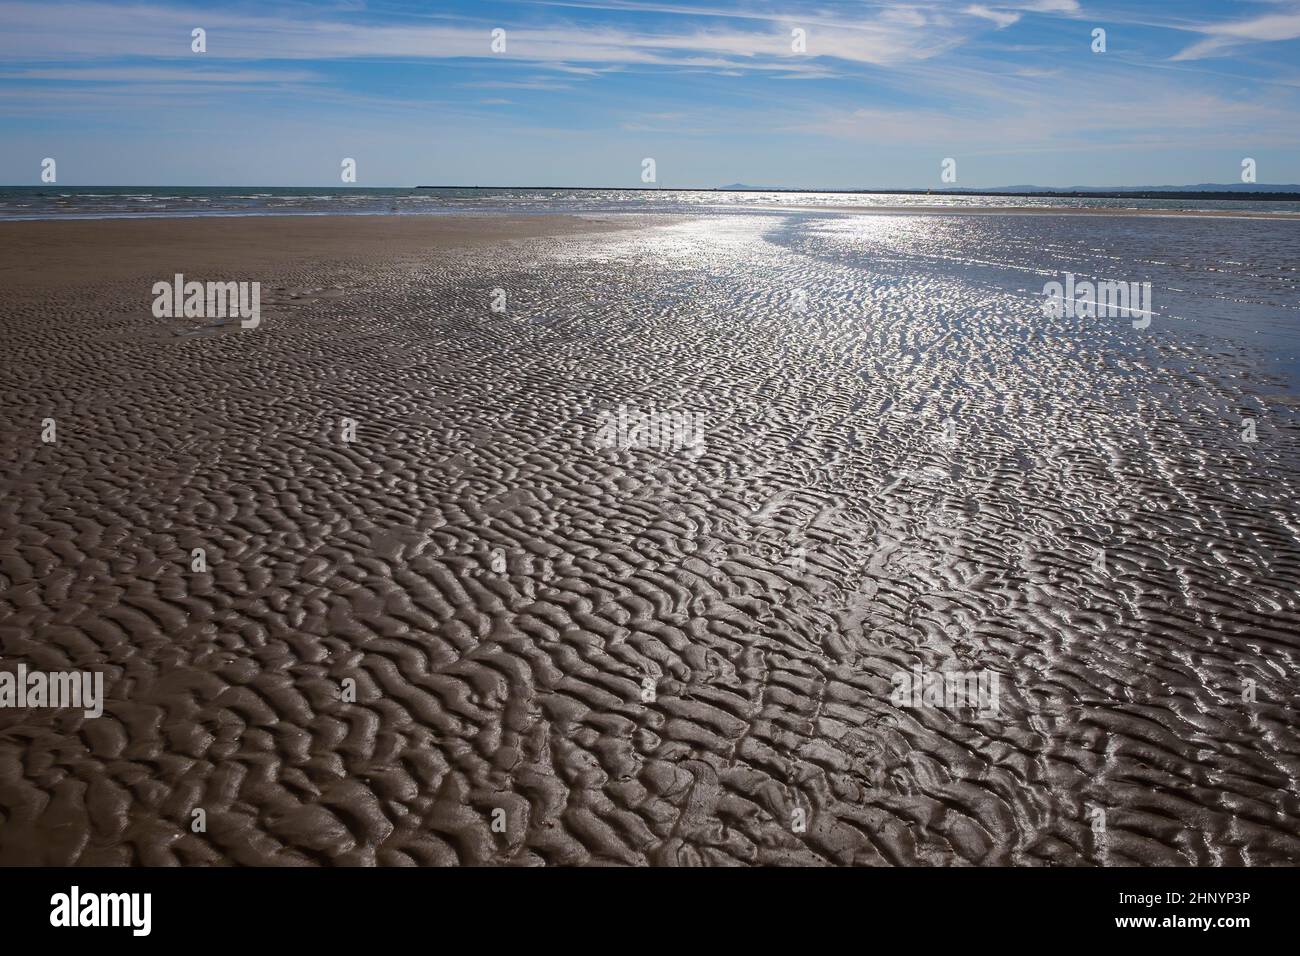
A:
{"x": 878, "y": 36}
{"x": 1223, "y": 37}
{"x": 1003, "y": 18}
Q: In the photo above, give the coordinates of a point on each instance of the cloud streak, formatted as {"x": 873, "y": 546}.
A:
{"x": 889, "y": 36}
{"x": 1224, "y": 37}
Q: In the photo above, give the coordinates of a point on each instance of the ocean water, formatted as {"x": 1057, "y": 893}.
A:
{"x": 1220, "y": 285}
{"x": 54, "y": 202}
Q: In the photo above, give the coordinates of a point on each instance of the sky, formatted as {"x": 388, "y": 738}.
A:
{"x": 715, "y": 92}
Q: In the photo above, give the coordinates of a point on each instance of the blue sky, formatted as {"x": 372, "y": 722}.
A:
{"x": 713, "y": 91}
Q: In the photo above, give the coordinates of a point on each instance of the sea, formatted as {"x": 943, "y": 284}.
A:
{"x": 103, "y": 202}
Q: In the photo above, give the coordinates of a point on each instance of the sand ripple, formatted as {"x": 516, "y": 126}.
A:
{"x": 834, "y": 531}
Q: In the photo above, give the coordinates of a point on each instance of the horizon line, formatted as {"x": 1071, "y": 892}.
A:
{"x": 1257, "y": 191}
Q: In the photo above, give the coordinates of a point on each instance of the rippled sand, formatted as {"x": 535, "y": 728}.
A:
{"x": 904, "y": 464}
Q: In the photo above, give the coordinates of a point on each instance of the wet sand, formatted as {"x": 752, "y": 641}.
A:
{"x": 71, "y": 253}
{"x": 475, "y": 634}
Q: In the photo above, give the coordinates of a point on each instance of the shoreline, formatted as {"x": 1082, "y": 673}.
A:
{"x": 480, "y": 215}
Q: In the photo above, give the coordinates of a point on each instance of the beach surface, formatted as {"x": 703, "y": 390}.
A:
{"x": 645, "y": 539}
